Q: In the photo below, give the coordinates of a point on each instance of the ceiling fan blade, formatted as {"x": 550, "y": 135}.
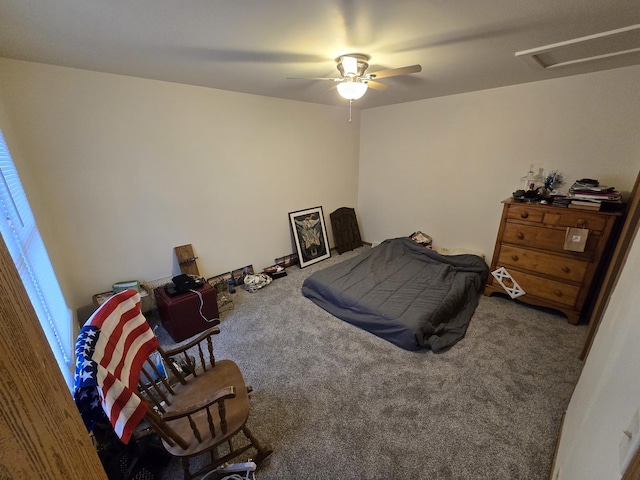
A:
{"x": 394, "y": 72}
{"x": 377, "y": 85}
{"x": 315, "y": 78}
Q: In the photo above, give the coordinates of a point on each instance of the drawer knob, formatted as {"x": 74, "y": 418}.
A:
{"x": 581, "y": 222}
{"x": 514, "y": 258}
{"x": 558, "y": 293}
{"x": 524, "y": 215}
{"x": 566, "y": 269}
{"x": 520, "y": 235}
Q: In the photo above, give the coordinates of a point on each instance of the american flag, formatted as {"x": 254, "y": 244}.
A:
{"x": 110, "y": 351}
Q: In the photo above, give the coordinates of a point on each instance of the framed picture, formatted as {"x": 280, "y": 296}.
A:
{"x": 310, "y": 236}
{"x": 239, "y": 273}
{"x": 221, "y": 282}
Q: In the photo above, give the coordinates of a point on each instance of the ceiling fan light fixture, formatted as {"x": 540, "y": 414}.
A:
{"x": 350, "y": 66}
{"x": 352, "y": 90}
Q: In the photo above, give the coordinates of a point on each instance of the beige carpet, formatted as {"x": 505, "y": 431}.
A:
{"x": 336, "y": 402}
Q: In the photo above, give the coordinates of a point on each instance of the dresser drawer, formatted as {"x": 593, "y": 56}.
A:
{"x": 545, "y": 238}
{"x": 557, "y": 217}
{"x": 544, "y": 263}
{"x": 573, "y": 218}
{"x": 525, "y": 212}
{"x": 546, "y": 289}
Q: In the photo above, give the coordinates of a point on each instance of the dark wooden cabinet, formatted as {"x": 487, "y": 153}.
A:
{"x": 346, "y": 234}
{"x": 188, "y": 313}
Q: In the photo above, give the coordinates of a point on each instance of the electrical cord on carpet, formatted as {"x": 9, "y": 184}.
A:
{"x": 233, "y": 471}
{"x": 201, "y": 305}
{"x": 235, "y": 476}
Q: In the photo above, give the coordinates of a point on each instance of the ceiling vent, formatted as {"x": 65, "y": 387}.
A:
{"x": 622, "y": 44}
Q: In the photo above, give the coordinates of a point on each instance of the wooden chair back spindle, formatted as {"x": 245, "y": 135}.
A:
{"x": 185, "y": 415}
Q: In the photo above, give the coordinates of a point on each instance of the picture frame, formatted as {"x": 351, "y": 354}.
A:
{"x": 310, "y": 235}
{"x": 239, "y": 273}
{"x": 220, "y": 282}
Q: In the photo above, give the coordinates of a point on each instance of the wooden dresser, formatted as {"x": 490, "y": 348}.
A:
{"x": 530, "y": 246}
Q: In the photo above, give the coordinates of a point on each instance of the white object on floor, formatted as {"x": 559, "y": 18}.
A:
{"x": 516, "y": 290}
{"x": 235, "y": 471}
{"x": 255, "y": 282}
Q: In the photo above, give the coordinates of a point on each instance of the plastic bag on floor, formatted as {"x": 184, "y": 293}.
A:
{"x": 256, "y": 282}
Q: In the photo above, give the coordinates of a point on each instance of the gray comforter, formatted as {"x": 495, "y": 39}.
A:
{"x": 403, "y": 292}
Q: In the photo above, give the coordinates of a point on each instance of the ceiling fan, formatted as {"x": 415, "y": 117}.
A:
{"x": 354, "y": 81}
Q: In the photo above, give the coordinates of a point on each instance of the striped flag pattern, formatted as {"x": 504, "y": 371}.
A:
{"x": 110, "y": 350}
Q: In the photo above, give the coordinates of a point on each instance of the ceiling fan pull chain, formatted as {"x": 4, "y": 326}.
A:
{"x": 350, "y": 102}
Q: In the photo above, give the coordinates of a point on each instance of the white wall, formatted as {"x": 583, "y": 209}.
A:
{"x": 120, "y": 170}
{"x": 608, "y": 392}
{"x": 443, "y": 165}
{"x": 124, "y": 169}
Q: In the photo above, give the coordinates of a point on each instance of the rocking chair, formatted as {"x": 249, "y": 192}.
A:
{"x": 207, "y": 408}
{"x": 200, "y": 405}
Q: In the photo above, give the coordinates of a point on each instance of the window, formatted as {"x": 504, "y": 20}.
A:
{"x": 28, "y": 252}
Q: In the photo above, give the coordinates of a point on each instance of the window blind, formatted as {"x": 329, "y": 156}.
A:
{"x": 21, "y": 235}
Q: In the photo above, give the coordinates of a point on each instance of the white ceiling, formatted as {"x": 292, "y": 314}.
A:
{"x": 252, "y": 46}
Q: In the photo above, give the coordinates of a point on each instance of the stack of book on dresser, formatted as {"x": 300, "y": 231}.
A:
{"x": 588, "y": 194}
